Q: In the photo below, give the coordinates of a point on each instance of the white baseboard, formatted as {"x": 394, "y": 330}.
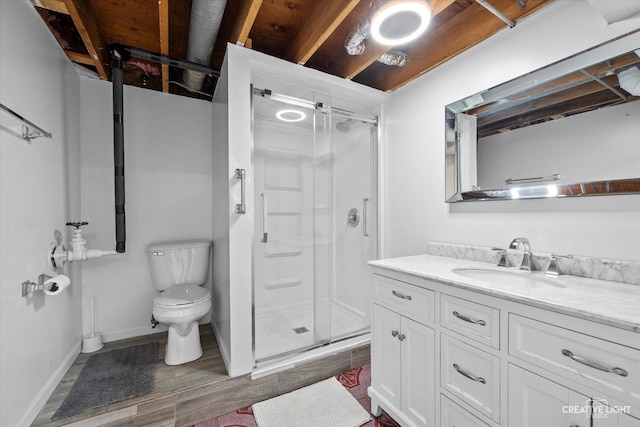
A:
{"x": 222, "y": 346}
{"x": 132, "y": 333}
{"x": 45, "y": 392}
{"x": 141, "y": 331}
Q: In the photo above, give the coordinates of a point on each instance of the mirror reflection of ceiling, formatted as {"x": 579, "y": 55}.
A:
{"x": 584, "y": 90}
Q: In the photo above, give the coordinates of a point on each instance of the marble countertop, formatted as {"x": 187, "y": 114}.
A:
{"x": 612, "y": 303}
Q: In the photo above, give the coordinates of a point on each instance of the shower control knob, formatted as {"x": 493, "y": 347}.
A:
{"x": 353, "y": 217}
{"x": 77, "y": 224}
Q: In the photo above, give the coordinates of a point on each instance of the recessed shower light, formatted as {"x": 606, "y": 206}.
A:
{"x": 400, "y": 21}
{"x": 291, "y": 115}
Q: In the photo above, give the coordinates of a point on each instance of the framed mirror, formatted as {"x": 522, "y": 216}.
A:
{"x": 569, "y": 129}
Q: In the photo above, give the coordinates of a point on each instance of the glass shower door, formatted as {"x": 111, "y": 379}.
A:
{"x": 354, "y": 147}
{"x": 315, "y": 219}
{"x": 287, "y": 228}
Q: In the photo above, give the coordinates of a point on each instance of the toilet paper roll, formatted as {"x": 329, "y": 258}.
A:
{"x": 56, "y": 284}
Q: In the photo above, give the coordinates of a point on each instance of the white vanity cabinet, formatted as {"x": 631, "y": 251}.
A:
{"x": 608, "y": 416}
{"x": 402, "y": 351}
{"x": 536, "y": 402}
{"x": 447, "y": 355}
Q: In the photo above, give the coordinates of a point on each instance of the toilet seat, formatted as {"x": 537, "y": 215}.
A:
{"x": 182, "y": 295}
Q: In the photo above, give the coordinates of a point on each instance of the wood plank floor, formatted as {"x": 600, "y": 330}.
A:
{"x": 186, "y": 394}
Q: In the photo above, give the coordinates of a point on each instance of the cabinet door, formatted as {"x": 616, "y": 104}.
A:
{"x": 607, "y": 416}
{"x": 418, "y": 372}
{"x": 535, "y": 401}
{"x": 385, "y": 355}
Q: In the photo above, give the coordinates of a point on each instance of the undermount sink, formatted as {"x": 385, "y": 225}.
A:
{"x": 507, "y": 277}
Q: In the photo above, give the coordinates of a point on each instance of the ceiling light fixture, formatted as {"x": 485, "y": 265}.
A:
{"x": 400, "y": 21}
{"x": 291, "y": 115}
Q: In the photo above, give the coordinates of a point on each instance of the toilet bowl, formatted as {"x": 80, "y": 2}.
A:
{"x": 180, "y": 308}
{"x": 178, "y": 271}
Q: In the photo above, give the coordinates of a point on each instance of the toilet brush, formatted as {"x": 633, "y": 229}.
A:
{"x": 92, "y": 342}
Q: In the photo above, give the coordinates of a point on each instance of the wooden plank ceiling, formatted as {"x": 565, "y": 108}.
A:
{"x": 308, "y": 32}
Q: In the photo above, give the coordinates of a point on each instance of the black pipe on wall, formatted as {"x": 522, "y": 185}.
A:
{"x": 118, "y": 148}
{"x": 120, "y": 54}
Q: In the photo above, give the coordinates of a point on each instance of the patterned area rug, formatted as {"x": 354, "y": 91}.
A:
{"x": 355, "y": 381}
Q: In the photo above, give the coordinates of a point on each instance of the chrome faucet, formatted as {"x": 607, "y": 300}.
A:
{"x": 522, "y": 243}
{"x": 553, "y": 269}
{"x": 503, "y": 256}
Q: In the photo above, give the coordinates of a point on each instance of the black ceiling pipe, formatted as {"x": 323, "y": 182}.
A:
{"x": 118, "y": 148}
{"x": 164, "y": 59}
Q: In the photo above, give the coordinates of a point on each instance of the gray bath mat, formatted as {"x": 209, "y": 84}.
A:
{"x": 111, "y": 377}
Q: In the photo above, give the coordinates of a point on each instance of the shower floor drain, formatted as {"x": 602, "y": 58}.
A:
{"x": 300, "y": 330}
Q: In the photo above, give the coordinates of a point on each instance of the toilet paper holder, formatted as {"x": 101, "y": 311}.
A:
{"x": 29, "y": 287}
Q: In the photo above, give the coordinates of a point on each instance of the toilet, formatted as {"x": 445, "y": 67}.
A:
{"x": 178, "y": 271}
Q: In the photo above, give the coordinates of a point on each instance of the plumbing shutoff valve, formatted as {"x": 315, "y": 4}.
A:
{"x": 58, "y": 255}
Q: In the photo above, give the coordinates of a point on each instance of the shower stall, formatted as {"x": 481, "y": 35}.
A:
{"x": 295, "y": 211}
{"x": 314, "y": 168}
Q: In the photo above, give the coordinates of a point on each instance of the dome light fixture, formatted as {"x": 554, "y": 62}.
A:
{"x": 291, "y": 115}
{"x": 400, "y": 21}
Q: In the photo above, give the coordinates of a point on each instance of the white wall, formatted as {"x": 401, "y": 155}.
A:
{"x": 168, "y": 195}
{"x": 415, "y": 212}
{"x": 601, "y": 144}
{"x": 39, "y": 191}
{"x": 221, "y": 317}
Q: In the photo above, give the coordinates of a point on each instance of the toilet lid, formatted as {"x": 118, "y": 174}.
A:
{"x": 180, "y": 295}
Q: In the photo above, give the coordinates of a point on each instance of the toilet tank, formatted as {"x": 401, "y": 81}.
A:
{"x": 179, "y": 263}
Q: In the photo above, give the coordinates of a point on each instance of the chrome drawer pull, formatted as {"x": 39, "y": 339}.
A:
{"x": 399, "y": 295}
{"x": 570, "y": 355}
{"x": 467, "y": 319}
{"x": 468, "y": 375}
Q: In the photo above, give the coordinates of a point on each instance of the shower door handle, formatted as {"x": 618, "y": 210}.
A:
{"x": 241, "y": 208}
{"x": 265, "y": 233}
{"x": 364, "y": 217}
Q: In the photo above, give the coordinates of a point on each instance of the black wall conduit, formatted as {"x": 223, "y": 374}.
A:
{"x": 120, "y": 54}
{"x": 118, "y": 148}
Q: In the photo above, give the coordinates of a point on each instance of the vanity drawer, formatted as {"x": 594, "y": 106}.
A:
{"x": 410, "y": 300}
{"x": 613, "y": 367}
{"x": 452, "y": 415}
{"x": 471, "y": 375}
{"x": 476, "y": 321}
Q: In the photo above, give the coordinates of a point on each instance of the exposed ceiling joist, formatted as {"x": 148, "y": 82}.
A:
{"x": 307, "y": 32}
{"x": 80, "y": 58}
{"x": 84, "y": 18}
{"x": 245, "y": 17}
{"x": 558, "y": 98}
{"x": 55, "y": 5}
{"x": 580, "y": 104}
{"x": 315, "y": 32}
{"x": 348, "y": 66}
{"x": 471, "y": 26}
{"x": 163, "y": 15}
